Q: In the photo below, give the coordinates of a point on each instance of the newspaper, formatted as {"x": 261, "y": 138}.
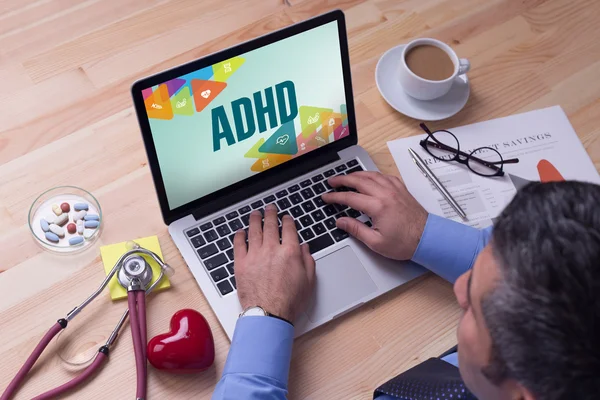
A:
{"x": 543, "y": 140}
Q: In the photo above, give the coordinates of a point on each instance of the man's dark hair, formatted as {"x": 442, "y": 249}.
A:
{"x": 544, "y": 313}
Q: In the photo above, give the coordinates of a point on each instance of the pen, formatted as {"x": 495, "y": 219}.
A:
{"x": 438, "y": 185}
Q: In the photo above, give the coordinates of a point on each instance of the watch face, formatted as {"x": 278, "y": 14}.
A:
{"x": 254, "y": 311}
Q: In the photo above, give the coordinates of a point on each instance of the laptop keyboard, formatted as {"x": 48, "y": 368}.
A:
{"x": 314, "y": 219}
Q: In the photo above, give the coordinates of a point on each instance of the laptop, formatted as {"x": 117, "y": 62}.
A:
{"x": 266, "y": 121}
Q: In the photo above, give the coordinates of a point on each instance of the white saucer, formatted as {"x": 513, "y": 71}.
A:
{"x": 386, "y": 76}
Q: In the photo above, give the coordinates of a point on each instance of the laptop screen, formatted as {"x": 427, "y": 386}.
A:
{"x": 224, "y": 123}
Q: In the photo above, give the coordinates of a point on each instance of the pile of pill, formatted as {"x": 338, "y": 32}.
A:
{"x": 80, "y": 225}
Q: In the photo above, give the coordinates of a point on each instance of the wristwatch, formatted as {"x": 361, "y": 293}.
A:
{"x": 257, "y": 311}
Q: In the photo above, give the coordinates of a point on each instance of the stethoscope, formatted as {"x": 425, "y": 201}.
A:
{"x": 134, "y": 274}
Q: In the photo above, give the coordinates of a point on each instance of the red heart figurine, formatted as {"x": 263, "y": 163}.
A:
{"x": 187, "y": 348}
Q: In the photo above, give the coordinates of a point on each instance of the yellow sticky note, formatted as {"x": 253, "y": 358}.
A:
{"x": 111, "y": 254}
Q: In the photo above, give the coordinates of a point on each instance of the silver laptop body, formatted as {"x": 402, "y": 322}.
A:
{"x": 348, "y": 273}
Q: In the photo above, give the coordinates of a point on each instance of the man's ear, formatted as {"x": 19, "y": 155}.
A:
{"x": 527, "y": 395}
{"x": 519, "y": 392}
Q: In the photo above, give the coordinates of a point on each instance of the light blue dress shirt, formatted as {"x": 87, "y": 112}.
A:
{"x": 258, "y": 363}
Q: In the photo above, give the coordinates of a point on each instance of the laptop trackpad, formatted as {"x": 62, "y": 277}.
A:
{"x": 341, "y": 281}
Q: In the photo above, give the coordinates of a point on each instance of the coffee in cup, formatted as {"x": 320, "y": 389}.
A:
{"x": 428, "y": 68}
{"x": 429, "y": 62}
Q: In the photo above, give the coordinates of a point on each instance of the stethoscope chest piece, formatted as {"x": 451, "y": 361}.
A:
{"x": 135, "y": 267}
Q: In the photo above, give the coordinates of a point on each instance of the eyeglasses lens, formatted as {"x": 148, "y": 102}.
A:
{"x": 485, "y": 154}
{"x": 442, "y": 145}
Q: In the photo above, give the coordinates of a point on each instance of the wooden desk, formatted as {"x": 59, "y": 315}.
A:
{"x": 66, "y": 118}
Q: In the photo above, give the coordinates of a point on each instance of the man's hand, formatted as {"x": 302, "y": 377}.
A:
{"x": 278, "y": 277}
{"x": 398, "y": 220}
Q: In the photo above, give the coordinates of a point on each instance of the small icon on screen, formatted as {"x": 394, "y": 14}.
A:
{"x": 282, "y": 140}
{"x": 313, "y": 119}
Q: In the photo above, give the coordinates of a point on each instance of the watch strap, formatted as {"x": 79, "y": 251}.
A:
{"x": 266, "y": 314}
{"x": 278, "y": 317}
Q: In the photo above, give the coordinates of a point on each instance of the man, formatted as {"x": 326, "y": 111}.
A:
{"x": 529, "y": 289}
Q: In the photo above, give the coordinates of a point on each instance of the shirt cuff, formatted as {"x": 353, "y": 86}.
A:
{"x": 447, "y": 248}
{"x": 263, "y": 346}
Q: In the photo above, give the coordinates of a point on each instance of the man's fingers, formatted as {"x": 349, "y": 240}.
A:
{"x": 309, "y": 264}
{"x": 271, "y": 227}
{"x": 239, "y": 245}
{"x": 289, "y": 234}
{"x": 358, "y": 201}
{"x": 360, "y": 181}
{"x": 255, "y": 235}
{"x": 359, "y": 230}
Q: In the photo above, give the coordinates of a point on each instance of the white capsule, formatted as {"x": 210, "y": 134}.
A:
{"x": 88, "y": 233}
{"x": 79, "y": 215}
{"x": 62, "y": 219}
{"x": 80, "y": 227}
{"x": 57, "y": 230}
{"x": 50, "y": 218}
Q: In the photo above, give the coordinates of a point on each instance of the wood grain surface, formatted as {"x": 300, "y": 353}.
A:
{"x": 66, "y": 117}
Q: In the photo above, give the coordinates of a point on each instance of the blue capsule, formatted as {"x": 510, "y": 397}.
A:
{"x": 44, "y": 224}
{"x": 75, "y": 240}
{"x": 91, "y": 217}
{"x": 52, "y": 237}
{"x": 80, "y": 206}
{"x": 91, "y": 224}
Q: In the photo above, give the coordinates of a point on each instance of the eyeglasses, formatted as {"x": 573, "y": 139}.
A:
{"x": 444, "y": 146}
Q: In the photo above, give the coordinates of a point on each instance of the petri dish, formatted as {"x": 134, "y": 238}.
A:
{"x": 41, "y": 209}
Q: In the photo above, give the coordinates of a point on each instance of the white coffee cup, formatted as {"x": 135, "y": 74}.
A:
{"x": 425, "y": 89}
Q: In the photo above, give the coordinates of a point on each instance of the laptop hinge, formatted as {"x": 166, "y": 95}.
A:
{"x": 286, "y": 174}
